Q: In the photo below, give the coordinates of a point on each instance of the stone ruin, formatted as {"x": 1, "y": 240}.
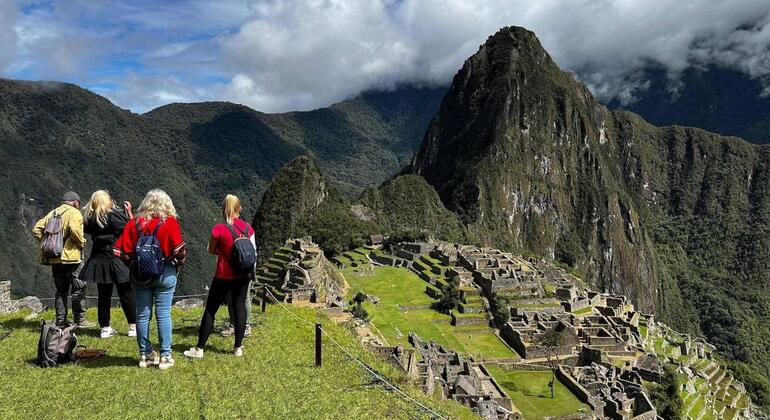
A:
{"x": 612, "y": 392}
{"x": 10, "y": 305}
{"x": 299, "y": 273}
{"x": 436, "y": 369}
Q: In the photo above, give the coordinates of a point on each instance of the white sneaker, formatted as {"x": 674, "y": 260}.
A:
{"x": 227, "y": 332}
{"x": 165, "y": 362}
{"x": 247, "y": 333}
{"x": 194, "y": 353}
{"x": 146, "y": 360}
{"x": 238, "y": 351}
{"x": 131, "y": 332}
{"x": 107, "y": 332}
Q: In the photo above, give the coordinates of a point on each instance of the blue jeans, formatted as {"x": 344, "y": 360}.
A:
{"x": 160, "y": 293}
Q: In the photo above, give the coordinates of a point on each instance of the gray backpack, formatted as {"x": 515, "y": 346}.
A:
{"x": 56, "y": 345}
{"x": 52, "y": 244}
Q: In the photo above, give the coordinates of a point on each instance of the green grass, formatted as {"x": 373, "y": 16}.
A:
{"x": 583, "y": 311}
{"x": 276, "y": 378}
{"x": 530, "y": 393}
{"x": 397, "y": 287}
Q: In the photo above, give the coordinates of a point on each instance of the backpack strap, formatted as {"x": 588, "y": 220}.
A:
{"x": 141, "y": 232}
{"x": 233, "y": 229}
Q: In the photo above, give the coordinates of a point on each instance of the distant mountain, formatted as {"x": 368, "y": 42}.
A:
{"x": 676, "y": 218}
{"x": 714, "y": 98}
{"x": 56, "y": 136}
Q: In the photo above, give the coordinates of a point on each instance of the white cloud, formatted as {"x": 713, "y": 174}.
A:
{"x": 278, "y": 55}
{"x": 309, "y": 53}
{"x": 8, "y": 37}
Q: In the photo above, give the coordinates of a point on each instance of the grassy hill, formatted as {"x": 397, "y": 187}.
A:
{"x": 276, "y": 378}
{"x": 56, "y": 136}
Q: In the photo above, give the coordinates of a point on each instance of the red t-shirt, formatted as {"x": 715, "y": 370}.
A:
{"x": 224, "y": 239}
{"x": 169, "y": 236}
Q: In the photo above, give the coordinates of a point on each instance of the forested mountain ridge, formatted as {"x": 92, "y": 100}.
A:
{"x": 57, "y": 136}
{"x": 676, "y": 218}
{"x": 711, "y": 97}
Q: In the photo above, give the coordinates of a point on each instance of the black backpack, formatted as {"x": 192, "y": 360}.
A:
{"x": 150, "y": 261}
{"x": 56, "y": 345}
{"x": 243, "y": 256}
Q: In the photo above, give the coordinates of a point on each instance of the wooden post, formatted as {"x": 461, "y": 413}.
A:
{"x": 318, "y": 345}
{"x": 264, "y": 298}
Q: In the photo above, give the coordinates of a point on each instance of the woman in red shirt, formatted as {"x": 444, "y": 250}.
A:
{"x": 157, "y": 217}
{"x": 227, "y": 280}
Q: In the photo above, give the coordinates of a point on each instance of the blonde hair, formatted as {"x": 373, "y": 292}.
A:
{"x": 231, "y": 208}
{"x": 99, "y": 206}
{"x": 157, "y": 204}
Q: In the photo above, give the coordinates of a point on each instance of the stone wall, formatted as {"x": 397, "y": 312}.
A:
{"x": 6, "y": 304}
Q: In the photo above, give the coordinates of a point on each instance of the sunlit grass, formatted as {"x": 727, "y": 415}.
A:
{"x": 275, "y": 379}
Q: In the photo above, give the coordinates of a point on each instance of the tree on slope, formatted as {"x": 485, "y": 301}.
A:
{"x": 551, "y": 341}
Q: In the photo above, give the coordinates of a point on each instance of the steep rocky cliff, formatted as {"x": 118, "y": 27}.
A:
{"x": 676, "y": 218}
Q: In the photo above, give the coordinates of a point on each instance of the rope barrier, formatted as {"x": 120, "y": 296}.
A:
{"x": 357, "y": 360}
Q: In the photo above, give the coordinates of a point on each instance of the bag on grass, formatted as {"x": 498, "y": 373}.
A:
{"x": 56, "y": 344}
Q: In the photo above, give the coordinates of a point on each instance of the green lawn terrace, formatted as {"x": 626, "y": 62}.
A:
{"x": 709, "y": 390}
{"x": 404, "y": 306}
{"x": 276, "y": 377}
{"x": 530, "y": 392}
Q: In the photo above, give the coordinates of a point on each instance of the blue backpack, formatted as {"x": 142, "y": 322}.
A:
{"x": 150, "y": 261}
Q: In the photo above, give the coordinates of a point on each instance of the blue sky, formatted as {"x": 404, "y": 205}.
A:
{"x": 278, "y": 55}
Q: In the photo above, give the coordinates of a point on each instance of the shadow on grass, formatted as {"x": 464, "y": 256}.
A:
{"x": 21, "y": 324}
{"x": 102, "y": 362}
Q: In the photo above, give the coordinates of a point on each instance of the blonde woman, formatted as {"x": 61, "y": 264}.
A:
{"x": 158, "y": 223}
{"x": 104, "y": 221}
{"x": 231, "y": 278}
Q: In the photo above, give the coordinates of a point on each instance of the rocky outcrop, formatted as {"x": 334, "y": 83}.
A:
{"x": 295, "y": 192}
{"x": 530, "y": 161}
{"x": 9, "y": 305}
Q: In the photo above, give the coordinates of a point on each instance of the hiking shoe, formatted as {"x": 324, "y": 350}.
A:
{"x": 131, "y": 332}
{"x": 165, "y": 362}
{"x": 194, "y": 353}
{"x": 247, "y": 333}
{"x": 86, "y": 324}
{"x": 228, "y": 332}
{"x": 107, "y": 332}
{"x": 238, "y": 351}
{"x": 146, "y": 360}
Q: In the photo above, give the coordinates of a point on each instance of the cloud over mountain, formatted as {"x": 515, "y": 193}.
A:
{"x": 278, "y": 55}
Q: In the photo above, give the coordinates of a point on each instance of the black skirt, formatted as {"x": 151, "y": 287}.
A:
{"x": 104, "y": 270}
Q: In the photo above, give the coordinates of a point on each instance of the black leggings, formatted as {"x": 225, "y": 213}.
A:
{"x": 127, "y": 302}
{"x": 218, "y": 292}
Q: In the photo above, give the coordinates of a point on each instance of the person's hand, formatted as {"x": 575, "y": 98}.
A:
{"x": 128, "y": 208}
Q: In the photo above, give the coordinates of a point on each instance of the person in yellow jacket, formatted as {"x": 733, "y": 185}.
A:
{"x": 65, "y": 268}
